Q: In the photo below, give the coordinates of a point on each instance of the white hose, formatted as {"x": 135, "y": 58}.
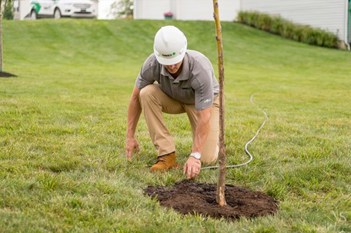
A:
{"x": 247, "y": 144}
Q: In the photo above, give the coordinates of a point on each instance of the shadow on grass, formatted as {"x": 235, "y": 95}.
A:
{"x": 6, "y": 75}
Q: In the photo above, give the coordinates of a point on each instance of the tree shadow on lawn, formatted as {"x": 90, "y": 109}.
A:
{"x": 6, "y": 75}
{"x": 189, "y": 197}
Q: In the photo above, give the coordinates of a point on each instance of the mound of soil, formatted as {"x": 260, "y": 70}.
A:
{"x": 6, "y": 75}
{"x": 189, "y": 197}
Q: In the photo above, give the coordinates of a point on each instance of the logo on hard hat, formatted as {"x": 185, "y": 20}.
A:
{"x": 169, "y": 55}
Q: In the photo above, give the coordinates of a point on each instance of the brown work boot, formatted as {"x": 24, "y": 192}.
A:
{"x": 165, "y": 162}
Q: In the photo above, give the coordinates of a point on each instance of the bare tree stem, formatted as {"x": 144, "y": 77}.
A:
{"x": 222, "y": 151}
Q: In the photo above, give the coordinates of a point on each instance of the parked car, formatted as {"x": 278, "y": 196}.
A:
{"x": 62, "y": 8}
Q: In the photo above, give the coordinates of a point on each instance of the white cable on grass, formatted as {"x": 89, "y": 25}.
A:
{"x": 247, "y": 144}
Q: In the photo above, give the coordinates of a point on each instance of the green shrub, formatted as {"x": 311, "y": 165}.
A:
{"x": 298, "y": 33}
{"x": 306, "y": 35}
{"x": 277, "y": 25}
{"x": 8, "y": 10}
{"x": 264, "y": 22}
{"x": 287, "y": 29}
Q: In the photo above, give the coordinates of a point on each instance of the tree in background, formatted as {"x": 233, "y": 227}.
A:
{"x": 8, "y": 9}
{"x": 2, "y": 7}
{"x": 122, "y": 9}
{"x": 7, "y": 13}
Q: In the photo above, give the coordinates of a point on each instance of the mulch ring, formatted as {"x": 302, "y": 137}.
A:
{"x": 189, "y": 197}
{"x": 6, "y": 75}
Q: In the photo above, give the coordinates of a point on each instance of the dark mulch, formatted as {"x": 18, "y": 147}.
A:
{"x": 6, "y": 75}
{"x": 189, "y": 197}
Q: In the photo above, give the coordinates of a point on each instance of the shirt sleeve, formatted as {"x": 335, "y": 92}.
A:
{"x": 147, "y": 74}
{"x": 203, "y": 86}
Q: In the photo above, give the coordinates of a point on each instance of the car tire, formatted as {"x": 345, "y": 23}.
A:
{"x": 57, "y": 13}
{"x": 33, "y": 15}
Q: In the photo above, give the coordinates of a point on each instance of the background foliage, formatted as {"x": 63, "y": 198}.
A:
{"x": 287, "y": 29}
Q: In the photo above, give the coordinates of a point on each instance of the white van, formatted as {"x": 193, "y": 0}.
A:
{"x": 62, "y": 8}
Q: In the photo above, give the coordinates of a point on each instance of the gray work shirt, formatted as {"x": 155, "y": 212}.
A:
{"x": 196, "y": 84}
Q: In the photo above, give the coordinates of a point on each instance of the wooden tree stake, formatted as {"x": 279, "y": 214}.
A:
{"x": 222, "y": 151}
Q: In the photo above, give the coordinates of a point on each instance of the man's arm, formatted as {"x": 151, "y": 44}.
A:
{"x": 192, "y": 166}
{"x": 202, "y": 129}
{"x": 134, "y": 111}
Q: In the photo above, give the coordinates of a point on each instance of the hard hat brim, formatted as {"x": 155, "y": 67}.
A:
{"x": 169, "y": 61}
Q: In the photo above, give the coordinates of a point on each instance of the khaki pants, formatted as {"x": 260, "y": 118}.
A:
{"x": 154, "y": 102}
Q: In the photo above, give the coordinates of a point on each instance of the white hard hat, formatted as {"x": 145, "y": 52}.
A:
{"x": 170, "y": 45}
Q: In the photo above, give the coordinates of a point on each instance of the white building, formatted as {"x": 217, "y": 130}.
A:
{"x": 21, "y": 9}
{"x": 185, "y": 9}
{"x": 105, "y": 9}
{"x": 333, "y": 16}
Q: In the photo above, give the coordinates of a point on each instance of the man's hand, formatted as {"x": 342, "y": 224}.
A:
{"x": 192, "y": 167}
{"x": 131, "y": 145}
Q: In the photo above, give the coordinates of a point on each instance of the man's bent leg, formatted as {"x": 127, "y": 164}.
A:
{"x": 154, "y": 102}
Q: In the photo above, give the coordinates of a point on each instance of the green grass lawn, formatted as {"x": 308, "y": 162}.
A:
{"x": 63, "y": 124}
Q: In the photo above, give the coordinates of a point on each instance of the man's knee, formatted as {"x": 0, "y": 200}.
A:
{"x": 210, "y": 160}
{"x": 210, "y": 156}
{"x": 148, "y": 91}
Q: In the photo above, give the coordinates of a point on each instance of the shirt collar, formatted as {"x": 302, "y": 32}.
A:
{"x": 184, "y": 75}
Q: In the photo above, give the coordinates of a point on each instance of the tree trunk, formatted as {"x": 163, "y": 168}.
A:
{"x": 222, "y": 152}
{"x": 1, "y": 44}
